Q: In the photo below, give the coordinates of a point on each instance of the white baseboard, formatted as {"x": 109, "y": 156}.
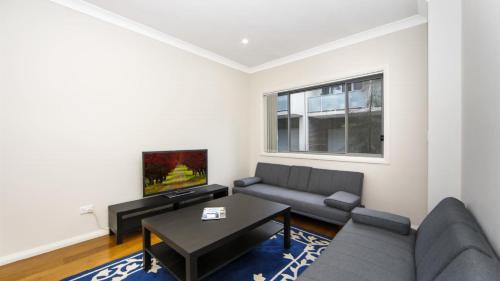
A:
{"x": 51, "y": 247}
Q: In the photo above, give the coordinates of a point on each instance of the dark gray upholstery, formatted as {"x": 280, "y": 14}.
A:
{"x": 273, "y": 174}
{"x": 247, "y": 181}
{"x": 456, "y": 239}
{"x": 360, "y": 252}
{"x": 449, "y": 211}
{"x": 388, "y": 221}
{"x": 299, "y": 178}
{"x": 454, "y": 249}
{"x": 327, "y": 182}
{"x": 343, "y": 200}
{"x": 292, "y": 185}
{"x": 301, "y": 202}
{"x": 471, "y": 265}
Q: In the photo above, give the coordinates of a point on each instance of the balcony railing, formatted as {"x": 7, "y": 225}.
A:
{"x": 333, "y": 102}
{"x": 282, "y": 103}
{"x": 326, "y": 103}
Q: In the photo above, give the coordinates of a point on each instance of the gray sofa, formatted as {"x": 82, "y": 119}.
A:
{"x": 327, "y": 195}
{"x": 449, "y": 245}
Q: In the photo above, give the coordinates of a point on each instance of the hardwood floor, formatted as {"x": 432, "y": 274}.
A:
{"x": 86, "y": 255}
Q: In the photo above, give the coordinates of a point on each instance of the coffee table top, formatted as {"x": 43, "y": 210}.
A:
{"x": 184, "y": 230}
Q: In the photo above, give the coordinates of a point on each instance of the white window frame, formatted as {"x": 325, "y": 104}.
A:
{"x": 384, "y": 159}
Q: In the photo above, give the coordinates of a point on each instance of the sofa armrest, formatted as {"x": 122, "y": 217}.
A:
{"x": 343, "y": 200}
{"x": 247, "y": 181}
{"x": 388, "y": 221}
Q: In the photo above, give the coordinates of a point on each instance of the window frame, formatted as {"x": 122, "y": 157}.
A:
{"x": 382, "y": 158}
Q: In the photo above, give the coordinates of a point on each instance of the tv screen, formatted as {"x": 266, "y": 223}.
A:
{"x": 169, "y": 171}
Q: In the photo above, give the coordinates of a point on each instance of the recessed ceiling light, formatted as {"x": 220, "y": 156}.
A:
{"x": 244, "y": 41}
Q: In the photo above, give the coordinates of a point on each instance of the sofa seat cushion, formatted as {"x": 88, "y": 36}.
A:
{"x": 361, "y": 253}
{"x": 301, "y": 202}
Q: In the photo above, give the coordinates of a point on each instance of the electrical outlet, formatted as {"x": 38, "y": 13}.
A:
{"x": 87, "y": 209}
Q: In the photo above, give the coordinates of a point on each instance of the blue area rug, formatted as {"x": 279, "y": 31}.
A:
{"x": 268, "y": 261}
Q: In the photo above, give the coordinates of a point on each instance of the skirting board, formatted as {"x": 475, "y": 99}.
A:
{"x": 51, "y": 247}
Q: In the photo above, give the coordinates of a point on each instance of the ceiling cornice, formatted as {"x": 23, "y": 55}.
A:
{"x": 346, "y": 41}
{"x": 110, "y": 17}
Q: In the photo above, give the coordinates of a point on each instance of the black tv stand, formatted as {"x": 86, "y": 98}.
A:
{"x": 126, "y": 217}
{"x": 179, "y": 193}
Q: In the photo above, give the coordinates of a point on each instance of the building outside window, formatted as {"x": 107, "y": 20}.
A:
{"x": 341, "y": 118}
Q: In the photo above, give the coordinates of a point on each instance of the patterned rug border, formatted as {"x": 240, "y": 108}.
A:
{"x": 84, "y": 273}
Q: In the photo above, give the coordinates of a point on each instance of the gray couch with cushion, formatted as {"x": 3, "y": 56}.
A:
{"x": 327, "y": 195}
{"x": 449, "y": 245}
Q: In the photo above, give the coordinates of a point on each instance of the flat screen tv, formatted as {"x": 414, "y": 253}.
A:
{"x": 173, "y": 171}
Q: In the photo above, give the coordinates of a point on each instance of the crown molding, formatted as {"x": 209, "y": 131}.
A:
{"x": 344, "y": 42}
{"x": 109, "y": 17}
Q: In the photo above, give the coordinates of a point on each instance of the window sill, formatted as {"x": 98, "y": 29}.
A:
{"x": 338, "y": 158}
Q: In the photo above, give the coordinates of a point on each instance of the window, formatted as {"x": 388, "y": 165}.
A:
{"x": 343, "y": 118}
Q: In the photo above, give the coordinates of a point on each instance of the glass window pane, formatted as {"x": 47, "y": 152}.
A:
{"x": 365, "y": 117}
{"x": 298, "y": 121}
{"x": 282, "y": 119}
{"x": 326, "y": 120}
{"x": 340, "y": 118}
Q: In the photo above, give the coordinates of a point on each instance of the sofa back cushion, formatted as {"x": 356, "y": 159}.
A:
{"x": 299, "y": 177}
{"x": 450, "y": 244}
{"x": 471, "y": 265}
{"x": 327, "y": 182}
{"x": 448, "y": 212}
{"x": 273, "y": 174}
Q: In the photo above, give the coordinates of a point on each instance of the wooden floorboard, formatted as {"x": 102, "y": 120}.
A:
{"x": 86, "y": 255}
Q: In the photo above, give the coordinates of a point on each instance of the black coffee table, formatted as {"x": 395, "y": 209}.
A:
{"x": 192, "y": 249}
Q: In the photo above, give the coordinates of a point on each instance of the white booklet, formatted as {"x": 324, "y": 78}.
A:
{"x": 213, "y": 213}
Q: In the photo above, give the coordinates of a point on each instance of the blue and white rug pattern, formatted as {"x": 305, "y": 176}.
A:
{"x": 269, "y": 261}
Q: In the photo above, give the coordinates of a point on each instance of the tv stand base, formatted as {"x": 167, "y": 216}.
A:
{"x": 126, "y": 217}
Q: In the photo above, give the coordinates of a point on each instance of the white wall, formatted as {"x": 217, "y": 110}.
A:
{"x": 80, "y": 99}
{"x": 401, "y": 185}
{"x": 481, "y": 128}
{"x": 445, "y": 102}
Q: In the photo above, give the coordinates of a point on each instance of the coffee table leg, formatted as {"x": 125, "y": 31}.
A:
{"x": 191, "y": 268}
{"x": 286, "y": 230}
{"x": 146, "y": 244}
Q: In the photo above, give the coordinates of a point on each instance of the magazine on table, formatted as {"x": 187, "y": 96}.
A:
{"x": 214, "y": 213}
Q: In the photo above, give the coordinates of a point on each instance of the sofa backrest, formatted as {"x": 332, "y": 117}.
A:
{"x": 471, "y": 265}
{"x": 273, "y": 174}
{"x": 448, "y": 212}
{"x": 454, "y": 241}
{"x": 299, "y": 178}
{"x": 327, "y": 182}
{"x": 319, "y": 181}
{"x": 447, "y": 232}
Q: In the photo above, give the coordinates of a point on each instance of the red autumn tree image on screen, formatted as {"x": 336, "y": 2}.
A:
{"x": 164, "y": 171}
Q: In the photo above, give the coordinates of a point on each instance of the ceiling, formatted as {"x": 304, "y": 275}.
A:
{"x": 275, "y": 28}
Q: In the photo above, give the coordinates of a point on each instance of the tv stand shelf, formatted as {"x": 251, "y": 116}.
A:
{"x": 126, "y": 217}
